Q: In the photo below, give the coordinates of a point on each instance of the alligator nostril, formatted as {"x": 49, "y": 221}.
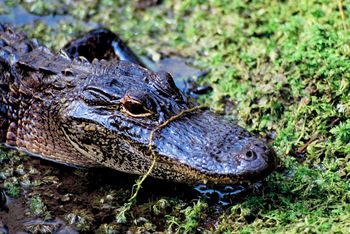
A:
{"x": 217, "y": 158}
{"x": 251, "y": 155}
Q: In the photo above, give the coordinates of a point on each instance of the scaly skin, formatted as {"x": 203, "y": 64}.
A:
{"x": 101, "y": 113}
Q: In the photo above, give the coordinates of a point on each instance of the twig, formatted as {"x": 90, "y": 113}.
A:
{"x": 303, "y": 148}
{"x": 335, "y": 121}
{"x": 315, "y": 137}
{"x": 342, "y": 14}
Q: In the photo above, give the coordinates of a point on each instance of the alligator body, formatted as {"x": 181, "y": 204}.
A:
{"x": 102, "y": 113}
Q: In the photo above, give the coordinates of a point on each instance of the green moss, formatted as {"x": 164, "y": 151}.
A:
{"x": 12, "y": 189}
{"x": 3, "y": 154}
{"x": 189, "y": 220}
{"x": 37, "y": 206}
{"x": 306, "y": 200}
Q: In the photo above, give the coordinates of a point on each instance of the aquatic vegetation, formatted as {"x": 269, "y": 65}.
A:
{"x": 12, "y": 189}
{"x": 36, "y": 206}
{"x": 81, "y": 219}
{"x": 190, "y": 222}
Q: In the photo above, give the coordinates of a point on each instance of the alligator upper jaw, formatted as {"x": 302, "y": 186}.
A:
{"x": 184, "y": 173}
{"x": 209, "y": 148}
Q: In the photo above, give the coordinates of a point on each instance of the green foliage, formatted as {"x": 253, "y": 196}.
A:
{"x": 190, "y": 220}
{"x": 36, "y": 206}
{"x": 306, "y": 200}
{"x": 12, "y": 189}
{"x": 342, "y": 132}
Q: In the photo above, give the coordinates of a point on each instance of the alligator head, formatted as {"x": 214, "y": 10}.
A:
{"x": 110, "y": 116}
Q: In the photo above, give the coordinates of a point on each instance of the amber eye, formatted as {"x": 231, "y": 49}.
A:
{"x": 134, "y": 108}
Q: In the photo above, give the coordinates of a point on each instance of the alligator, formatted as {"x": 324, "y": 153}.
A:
{"x": 95, "y": 110}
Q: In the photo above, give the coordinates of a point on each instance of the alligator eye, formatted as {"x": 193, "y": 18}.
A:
{"x": 134, "y": 108}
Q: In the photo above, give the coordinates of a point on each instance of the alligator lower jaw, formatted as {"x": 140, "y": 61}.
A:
{"x": 187, "y": 175}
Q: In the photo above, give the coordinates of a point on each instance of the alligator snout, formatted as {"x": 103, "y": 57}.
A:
{"x": 207, "y": 147}
{"x": 242, "y": 158}
{"x": 256, "y": 160}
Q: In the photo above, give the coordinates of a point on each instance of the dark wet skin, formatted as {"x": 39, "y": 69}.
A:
{"x": 102, "y": 113}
